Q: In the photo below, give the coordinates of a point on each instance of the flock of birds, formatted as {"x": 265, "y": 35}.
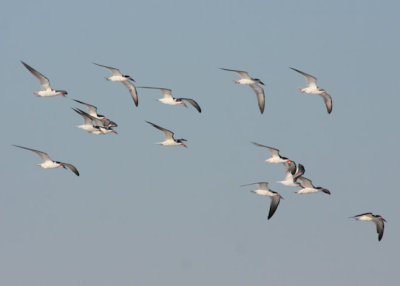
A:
{"x": 98, "y": 124}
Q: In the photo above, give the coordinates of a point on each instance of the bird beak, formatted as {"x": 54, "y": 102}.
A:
{"x": 183, "y": 145}
{"x": 260, "y": 82}
{"x": 114, "y": 132}
{"x": 131, "y": 79}
{"x": 326, "y": 192}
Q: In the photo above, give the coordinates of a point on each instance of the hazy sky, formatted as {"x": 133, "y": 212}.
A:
{"x": 144, "y": 214}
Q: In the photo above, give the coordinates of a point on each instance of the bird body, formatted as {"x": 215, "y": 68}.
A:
{"x": 377, "y": 219}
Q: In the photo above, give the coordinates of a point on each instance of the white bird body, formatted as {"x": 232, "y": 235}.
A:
{"x": 247, "y": 81}
{"x": 46, "y": 91}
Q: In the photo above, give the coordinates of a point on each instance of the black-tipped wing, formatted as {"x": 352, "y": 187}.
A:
{"x": 132, "y": 91}
{"x": 44, "y": 81}
{"x": 380, "y": 227}
{"x": 72, "y": 168}
{"x": 328, "y": 101}
{"x": 275, "y": 200}
{"x": 260, "y": 96}
{"x": 192, "y": 102}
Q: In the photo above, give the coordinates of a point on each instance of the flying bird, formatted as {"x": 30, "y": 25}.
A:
{"x": 253, "y": 83}
{"x": 308, "y": 188}
{"x": 92, "y": 110}
{"x": 377, "y": 219}
{"x": 169, "y": 137}
{"x": 94, "y": 125}
{"x": 275, "y": 157}
{"x": 46, "y": 91}
{"x": 312, "y": 88}
{"x": 125, "y": 79}
{"x": 293, "y": 172}
{"x": 263, "y": 190}
{"x": 48, "y": 163}
{"x": 170, "y": 100}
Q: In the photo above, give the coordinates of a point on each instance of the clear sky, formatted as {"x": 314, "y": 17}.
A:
{"x": 144, "y": 214}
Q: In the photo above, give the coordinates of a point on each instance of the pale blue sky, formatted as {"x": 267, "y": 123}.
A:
{"x": 143, "y": 214}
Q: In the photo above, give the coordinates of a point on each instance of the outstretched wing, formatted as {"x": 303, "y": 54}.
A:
{"x": 242, "y": 74}
{"x": 168, "y": 134}
{"x": 114, "y": 71}
{"x": 192, "y": 102}
{"x": 328, "y": 101}
{"x": 132, "y": 91}
{"x": 260, "y": 96}
{"x": 71, "y": 167}
{"x": 275, "y": 200}
{"x": 44, "y": 81}
{"x": 41, "y": 154}
{"x": 311, "y": 80}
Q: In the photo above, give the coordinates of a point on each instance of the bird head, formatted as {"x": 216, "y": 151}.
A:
{"x": 61, "y": 92}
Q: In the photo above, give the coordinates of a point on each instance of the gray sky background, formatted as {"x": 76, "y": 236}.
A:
{"x": 143, "y": 214}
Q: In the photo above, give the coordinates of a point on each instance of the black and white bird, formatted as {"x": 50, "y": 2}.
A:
{"x": 377, "y": 219}
{"x": 275, "y": 157}
{"x": 253, "y": 83}
{"x": 46, "y": 91}
{"x": 125, "y": 79}
{"x": 308, "y": 188}
{"x": 263, "y": 190}
{"x": 312, "y": 88}
{"x": 293, "y": 172}
{"x": 92, "y": 111}
{"x": 169, "y": 137}
{"x": 95, "y": 125}
{"x": 48, "y": 163}
{"x": 170, "y": 100}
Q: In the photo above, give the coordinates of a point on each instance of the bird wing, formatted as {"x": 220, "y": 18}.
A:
{"x": 44, "y": 81}
{"x": 86, "y": 119}
{"x": 166, "y": 92}
{"x": 91, "y": 108}
{"x": 260, "y": 95}
{"x": 311, "y": 80}
{"x": 299, "y": 172}
{"x": 380, "y": 227}
{"x": 72, "y": 168}
{"x": 307, "y": 183}
{"x": 328, "y": 101}
{"x": 192, "y": 102}
{"x": 132, "y": 91}
{"x": 261, "y": 185}
{"x": 168, "y": 134}
{"x": 274, "y": 151}
{"x": 275, "y": 200}
{"x": 242, "y": 74}
{"x": 41, "y": 154}
{"x": 114, "y": 71}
